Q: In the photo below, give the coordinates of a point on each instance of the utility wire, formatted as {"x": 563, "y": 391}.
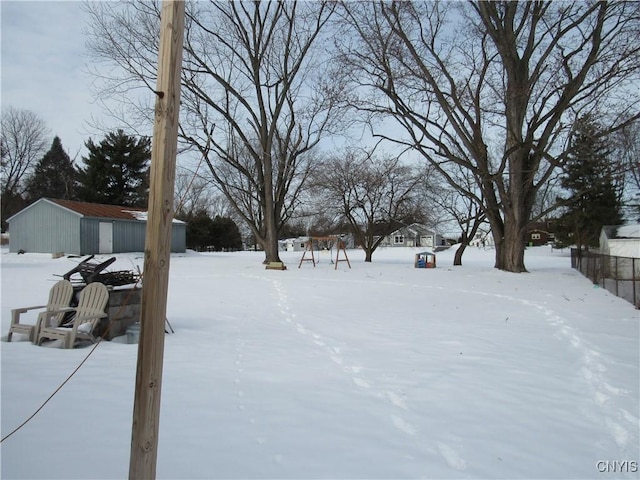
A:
{"x": 117, "y": 316}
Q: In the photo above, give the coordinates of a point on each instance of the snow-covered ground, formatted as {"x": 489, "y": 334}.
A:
{"x": 377, "y": 371}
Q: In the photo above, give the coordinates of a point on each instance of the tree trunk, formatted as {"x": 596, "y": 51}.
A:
{"x": 457, "y": 259}
{"x": 270, "y": 217}
{"x": 510, "y": 254}
{"x": 464, "y": 243}
{"x": 368, "y": 253}
{"x": 270, "y": 244}
{"x": 271, "y": 248}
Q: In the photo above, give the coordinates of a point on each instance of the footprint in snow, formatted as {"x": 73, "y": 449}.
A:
{"x": 361, "y": 383}
{"x": 397, "y": 400}
{"x": 353, "y": 369}
{"x": 401, "y": 424}
{"x": 629, "y": 418}
{"x": 620, "y": 434}
{"x": 451, "y": 456}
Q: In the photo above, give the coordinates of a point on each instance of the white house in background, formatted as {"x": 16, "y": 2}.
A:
{"x": 414, "y": 235}
{"x": 483, "y": 239}
{"x": 297, "y": 244}
{"x": 620, "y": 240}
{"x": 300, "y": 244}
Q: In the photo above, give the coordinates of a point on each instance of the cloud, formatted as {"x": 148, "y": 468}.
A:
{"x": 44, "y": 67}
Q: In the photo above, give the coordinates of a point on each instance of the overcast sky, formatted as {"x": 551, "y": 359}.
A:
{"x": 44, "y": 68}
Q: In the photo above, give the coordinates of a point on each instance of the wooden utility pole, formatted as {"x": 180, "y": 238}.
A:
{"x": 146, "y": 405}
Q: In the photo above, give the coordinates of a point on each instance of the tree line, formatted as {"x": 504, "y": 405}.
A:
{"x": 481, "y": 104}
{"x": 486, "y": 94}
{"x": 114, "y": 172}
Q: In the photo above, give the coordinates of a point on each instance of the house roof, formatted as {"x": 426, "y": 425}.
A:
{"x": 413, "y": 229}
{"x": 99, "y": 210}
{"x": 622, "y": 231}
{"x": 546, "y": 226}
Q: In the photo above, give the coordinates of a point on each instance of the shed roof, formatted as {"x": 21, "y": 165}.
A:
{"x": 622, "y": 231}
{"x": 96, "y": 210}
{"x": 99, "y": 210}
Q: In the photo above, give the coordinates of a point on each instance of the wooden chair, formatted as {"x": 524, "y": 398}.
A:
{"x": 91, "y": 304}
{"x": 59, "y": 297}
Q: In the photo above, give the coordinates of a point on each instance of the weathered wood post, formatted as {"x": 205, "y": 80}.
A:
{"x": 146, "y": 405}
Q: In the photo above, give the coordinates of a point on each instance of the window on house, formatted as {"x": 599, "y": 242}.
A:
{"x": 535, "y": 236}
{"x": 398, "y": 239}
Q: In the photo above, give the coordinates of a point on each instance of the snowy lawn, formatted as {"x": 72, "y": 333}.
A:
{"x": 378, "y": 371}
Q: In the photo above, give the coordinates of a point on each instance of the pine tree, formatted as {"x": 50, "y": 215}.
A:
{"x": 54, "y": 175}
{"x": 199, "y": 226}
{"x": 116, "y": 171}
{"x": 218, "y": 234}
{"x": 593, "y": 200}
{"x": 225, "y": 234}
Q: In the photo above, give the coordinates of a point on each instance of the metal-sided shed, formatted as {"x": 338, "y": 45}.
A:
{"x": 80, "y": 228}
{"x": 620, "y": 240}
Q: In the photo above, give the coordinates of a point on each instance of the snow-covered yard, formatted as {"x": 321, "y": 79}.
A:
{"x": 378, "y": 371}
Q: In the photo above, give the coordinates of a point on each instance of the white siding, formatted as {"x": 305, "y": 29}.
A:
{"x": 624, "y": 248}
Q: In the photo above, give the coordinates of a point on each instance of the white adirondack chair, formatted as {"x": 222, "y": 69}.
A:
{"x": 91, "y": 304}
{"x": 59, "y": 298}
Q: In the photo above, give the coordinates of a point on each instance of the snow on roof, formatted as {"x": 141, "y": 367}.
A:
{"x": 143, "y": 215}
{"x": 105, "y": 211}
{"x": 628, "y": 231}
{"x": 631, "y": 231}
{"x": 99, "y": 210}
{"x": 138, "y": 214}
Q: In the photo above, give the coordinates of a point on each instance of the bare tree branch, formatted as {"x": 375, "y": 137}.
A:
{"x": 24, "y": 141}
{"x": 254, "y": 98}
{"x": 494, "y": 88}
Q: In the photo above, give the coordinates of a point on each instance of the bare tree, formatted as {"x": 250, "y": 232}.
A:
{"x": 195, "y": 193}
{"x": 255, "y": 101}
{"x": 466, "y": 210}
{"x": 24, "y": 141}
{"x": 375, "y": 194}
{"x": 626, "y": 145}
{"x": 500, "y": 81}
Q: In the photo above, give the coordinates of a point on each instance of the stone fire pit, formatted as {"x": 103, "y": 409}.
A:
{"x": 125, "y": 295}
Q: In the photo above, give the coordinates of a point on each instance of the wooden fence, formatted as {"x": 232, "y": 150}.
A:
{"x": 619, "y": 275}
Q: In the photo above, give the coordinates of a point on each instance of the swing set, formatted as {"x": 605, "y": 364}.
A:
{"x": 329, "y": 243}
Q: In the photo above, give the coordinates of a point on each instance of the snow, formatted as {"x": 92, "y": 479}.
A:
{"x": 628, "y": 231}
{"x": 381, "y": 370}
{"x": 143, "y": 215}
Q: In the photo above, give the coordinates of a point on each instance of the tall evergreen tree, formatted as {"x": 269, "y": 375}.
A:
{"x": 225, "y": 234}
{"x": 220, "y": 233}
{"x": 589, "y": 178}
{"x": 54, "y": 175}
{"x": 116, "y": 171}
{"x": 199, "y": 226}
